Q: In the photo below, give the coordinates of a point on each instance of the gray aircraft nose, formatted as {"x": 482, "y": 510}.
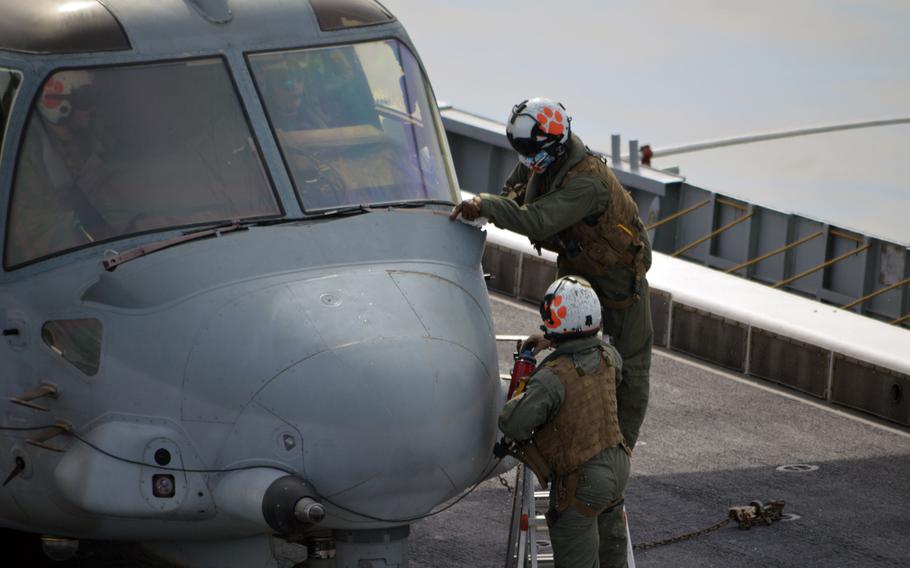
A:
{"x": 398, "y": 411}
{"x": 390, "y": 427}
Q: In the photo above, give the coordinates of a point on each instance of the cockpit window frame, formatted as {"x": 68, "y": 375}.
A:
{"x": 4, "y": 127}
{"x": 434, "y": 118}
{"x": 240, "y": 100}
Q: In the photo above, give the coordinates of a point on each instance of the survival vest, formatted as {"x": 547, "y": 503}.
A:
{"x": 585, "y": 425}
{"x": 602, "y": 241}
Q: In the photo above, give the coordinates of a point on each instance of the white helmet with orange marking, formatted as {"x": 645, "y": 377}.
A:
{"x": 570, "y": 308}
{"x": 56, "y": 102}
{"x": 539, "y": 130}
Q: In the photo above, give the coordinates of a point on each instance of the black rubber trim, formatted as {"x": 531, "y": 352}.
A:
{"x": 60, "y": 26}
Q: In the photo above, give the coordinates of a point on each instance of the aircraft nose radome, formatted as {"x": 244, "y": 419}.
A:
{"x": 390, "y": 427}
{"x": 389, "y": 376}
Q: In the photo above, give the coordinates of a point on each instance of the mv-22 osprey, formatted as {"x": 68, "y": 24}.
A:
{"x": 234, "y": 311}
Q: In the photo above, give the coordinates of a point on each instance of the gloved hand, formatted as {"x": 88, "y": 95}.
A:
{"x": 501, "y": 448}
{"x": 469, "y": 209}
{"x": 536, "y": 342}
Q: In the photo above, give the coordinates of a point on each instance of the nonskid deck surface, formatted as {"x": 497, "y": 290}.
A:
{"x": 711, "y": 440}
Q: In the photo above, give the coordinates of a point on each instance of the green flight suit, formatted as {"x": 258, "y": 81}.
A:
{"x": 578, "y": 541}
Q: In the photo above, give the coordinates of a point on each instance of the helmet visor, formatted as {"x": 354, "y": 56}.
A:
{"x": 527, "y": 146}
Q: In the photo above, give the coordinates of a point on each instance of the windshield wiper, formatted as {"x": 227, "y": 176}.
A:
{"x": 340, "y": 212}
{"x": 113, "y": 262}
{"x": 411, "y": 204}
{"x": 110, "y": 264}
{"x": 214, "y": 231}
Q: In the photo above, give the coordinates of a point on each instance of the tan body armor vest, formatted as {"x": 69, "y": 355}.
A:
{"x": 614, "y": 238}
{"x": 587, "y": 422}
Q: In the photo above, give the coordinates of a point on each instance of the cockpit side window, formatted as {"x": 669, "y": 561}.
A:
{"x": 355, "y": 124}
{"x": 111, "y": 152}
{"x": 9, "y": 85}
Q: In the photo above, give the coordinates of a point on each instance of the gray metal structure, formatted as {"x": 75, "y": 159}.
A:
{"x": 805, "y": 256}
{"x": 312, "y": 366}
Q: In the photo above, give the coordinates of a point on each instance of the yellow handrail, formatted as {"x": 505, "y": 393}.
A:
{"x": 685, "y": 211}
{"x": 874, "y": 294}
{"x": 844, "y": 235}
{"x": 713, "y": 234}
{"x": 728, "y": 203}
{"x": 900, "y": 320}
{"x": 774, "y": 252}
{"x": 825, "y": 264}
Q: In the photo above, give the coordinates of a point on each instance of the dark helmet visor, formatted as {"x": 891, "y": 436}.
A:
{"x": 527, "y": 146}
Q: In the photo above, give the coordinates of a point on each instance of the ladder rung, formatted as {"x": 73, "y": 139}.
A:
{"x": 540, "y": 521}
{"x": 541, "y": 494}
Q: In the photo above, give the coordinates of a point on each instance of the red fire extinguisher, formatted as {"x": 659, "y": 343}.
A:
{"x": 525, "y": 363}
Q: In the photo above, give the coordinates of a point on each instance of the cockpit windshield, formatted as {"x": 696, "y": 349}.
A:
{"x": 110, "y": 152}
{"x": 355, "y": 125}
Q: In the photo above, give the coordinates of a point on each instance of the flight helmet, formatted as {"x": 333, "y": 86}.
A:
{"x": 539, "y": 130}
{"x": 56, "y": 102}
{"x": 570, "y": 308}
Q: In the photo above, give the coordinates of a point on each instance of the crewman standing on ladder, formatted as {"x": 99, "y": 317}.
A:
{"x": 565, "y": 428}
{"x": 566, "y": 199}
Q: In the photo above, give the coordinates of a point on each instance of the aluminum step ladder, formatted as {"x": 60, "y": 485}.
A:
{"x": 529, "y": 542}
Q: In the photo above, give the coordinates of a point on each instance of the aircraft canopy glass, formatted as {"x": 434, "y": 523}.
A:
{"x": 123, "y": 150}
{"x": 355, "y": 125}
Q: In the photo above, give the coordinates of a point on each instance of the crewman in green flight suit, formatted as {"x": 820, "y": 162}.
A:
{"x": 565, "y": 428}
{"x": 566, "y": 199}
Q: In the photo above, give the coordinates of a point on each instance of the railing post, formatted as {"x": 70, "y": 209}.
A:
{"x": 633, "y": 155}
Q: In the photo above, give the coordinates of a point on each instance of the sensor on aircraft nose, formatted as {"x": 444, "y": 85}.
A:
{"x": 270, "y": 498}
{"x": 308, "y": 510}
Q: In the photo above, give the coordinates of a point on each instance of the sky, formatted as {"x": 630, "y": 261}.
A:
{"x": 670, "y": 73}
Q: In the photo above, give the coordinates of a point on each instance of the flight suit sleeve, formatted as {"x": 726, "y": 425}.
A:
{"x": 536, "y": 406}
{"x": 519, "y": 176}
{"x": 549, "y": 214}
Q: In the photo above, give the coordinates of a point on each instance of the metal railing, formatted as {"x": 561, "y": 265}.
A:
{"x": 875, "y": 294}
{"x": 825, "y": 264}
{"x": 775, "y": 252}
{"x": 713, "y": 234}
{"x": 678, "y": 214}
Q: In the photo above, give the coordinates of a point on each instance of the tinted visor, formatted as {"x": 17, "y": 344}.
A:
{"x": 526, "y": 146}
